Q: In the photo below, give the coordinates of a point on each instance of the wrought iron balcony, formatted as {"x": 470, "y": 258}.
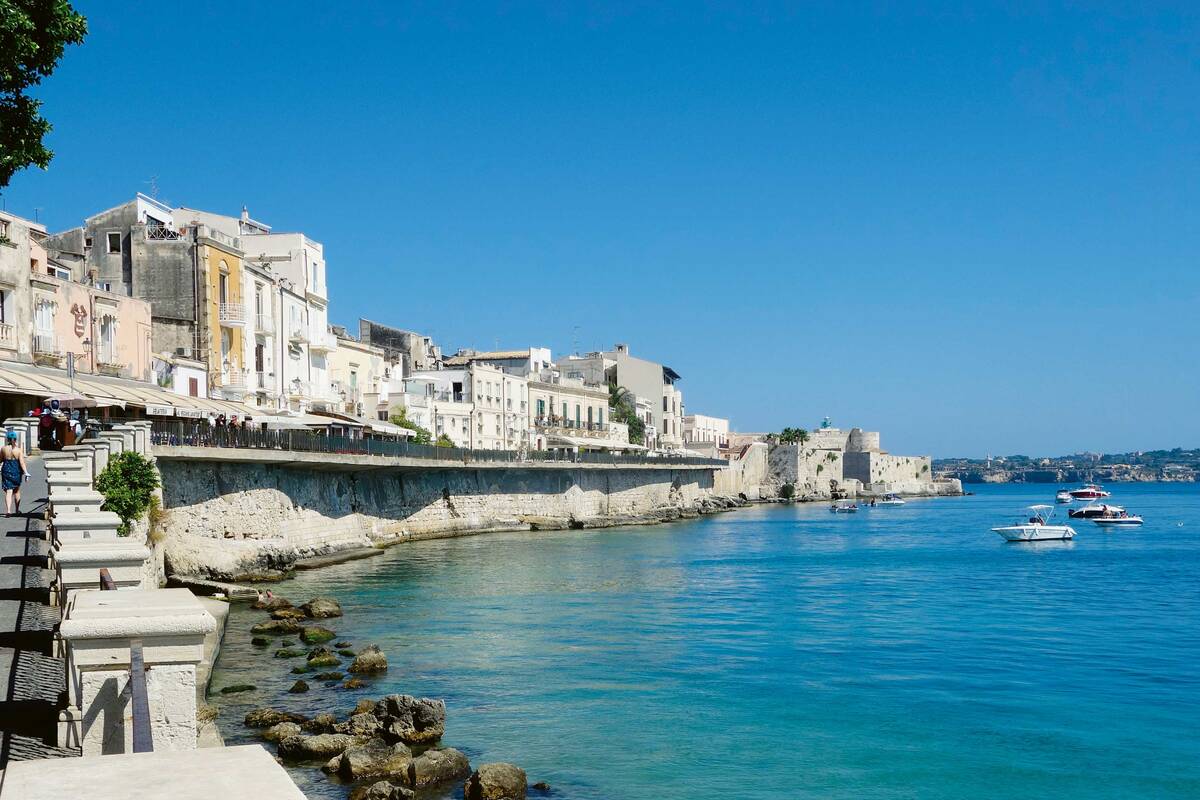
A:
{"x": 232, "y": 314}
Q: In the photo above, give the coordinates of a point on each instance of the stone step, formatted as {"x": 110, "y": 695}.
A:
{"x": 71, "y": 526}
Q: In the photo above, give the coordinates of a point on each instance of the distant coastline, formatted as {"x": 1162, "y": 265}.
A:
{"x": 1152, "y": 466}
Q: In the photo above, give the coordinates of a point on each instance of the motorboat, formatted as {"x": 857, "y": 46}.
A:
{"x": 890, "y": 500}
{"x": 1089, "y": 492}
{"x": 1037, "y": 527}
{"x": 1094, "y": 510}
{"x": 1063, "y": 496}
{"x": 1118, "y": 519}
{"x": 844, "y": 507}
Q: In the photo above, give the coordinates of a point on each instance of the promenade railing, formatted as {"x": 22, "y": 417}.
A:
{"x": 175, "y": 433}
{"x": 143, "y": 740}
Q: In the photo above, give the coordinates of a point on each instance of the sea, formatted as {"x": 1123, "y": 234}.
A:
{"x": 782, "y": 651}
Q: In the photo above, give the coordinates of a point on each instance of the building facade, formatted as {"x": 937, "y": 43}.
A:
{"x": 651, "y": 383}
{"x": 701, "y": 429}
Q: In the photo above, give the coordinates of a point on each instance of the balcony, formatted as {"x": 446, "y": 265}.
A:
{"x": 161, "y": 233}
{"x": 46, "y": 351}
{"x": 233, "y": 381}
{"x": 262, "y": 383}
{"x": 323, "y": 342}
{"x": 554, "y": 424}
{"x": 264, "y": 324}
{"x": 299, "y": 335}
{"x": 297, "y": 389}
{"x": 8, "y": 336}
{"x": 232, "y": 314}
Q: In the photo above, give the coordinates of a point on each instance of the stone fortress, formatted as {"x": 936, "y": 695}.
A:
{"x": 834, "y": 462}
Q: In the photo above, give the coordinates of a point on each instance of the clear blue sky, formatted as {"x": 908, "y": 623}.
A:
{"x": 974, "y": 230}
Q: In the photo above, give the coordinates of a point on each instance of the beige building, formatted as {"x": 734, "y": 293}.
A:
{"x": 567, "y": 413}
{"x": 361, "y": 379}
{"x": 701, "y": 429}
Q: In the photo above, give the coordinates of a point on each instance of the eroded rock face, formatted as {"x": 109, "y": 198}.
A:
{"x": 271, "y": 603}
{"x": 369, "y": 659}
{"x": 267, "y": 717}
{"x": 437, "y": 766}
{"x": 322, "y": 608}
{"x": 382, "y": 790}
{"x": 227, "y": 559}
{"x": 321, "y": 723}
{"x": 287, "y": 613}
{"x": 281, "y": 731}
{"x": 499, "y": 781}
{"x": 374, "y": 759}
{"x": 410, "y": 719}
{"x": 320, "y": 747}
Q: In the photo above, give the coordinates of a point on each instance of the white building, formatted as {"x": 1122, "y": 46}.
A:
{"x": 362, "y": 379}
{"x": 701, "y": 429}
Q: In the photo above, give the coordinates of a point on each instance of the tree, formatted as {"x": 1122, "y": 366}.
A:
{"x": 444, "y": 441}
{"x": 623, "y": 408}
{"x": 793, "y": 436}
{"x": 33, "y": 35}
{"x": 128, "y": 484}
{"x": 420, "y": 435}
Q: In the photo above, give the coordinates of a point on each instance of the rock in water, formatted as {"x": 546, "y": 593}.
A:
{"x": 239, "y": 687}
{"x": 314, "y": 634}
{"x": 375, "y": 759}
{"x": 271, "y": 603}
{"x": 322, "y": 723}
{"x": 542, "y": 786}
{"x": 321, "y": 747}
{"x": 329, "y": 676}
{"x": 287, "y": 613}
{"x": 277, "y": 627}
{"x": 266, "y": 717}
{"x": 277, "y": 733}
{"x": 411, "y": 720}
{"x": 369, "y": 659}
{"x": 354, "y": 683}
{"x": 288, "y": 652}
{"x": 381, "y": 790}
{"x": 260, "y": 641}
{"x": 323, "y": 660}
{"x": 322, "y": 608}
{"x": 360, "y": 724}
{"x": 437, "y": 766}
{"x": 497, "y": 781}
{"x": 299, "y": 687}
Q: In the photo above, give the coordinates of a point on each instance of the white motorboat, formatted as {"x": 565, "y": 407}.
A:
{"x": 890, "y": 500}
{"x": 844, "y": 507}
{"x": 1063, "y": 496}
{"x": 1121, "y": 520}
{"x": 1093, "y": 510}
{"x": 1089, "y": 492}
{"x": 1036, "y": 528}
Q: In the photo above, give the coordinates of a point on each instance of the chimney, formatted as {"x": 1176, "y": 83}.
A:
{"x": 245, "y": 214}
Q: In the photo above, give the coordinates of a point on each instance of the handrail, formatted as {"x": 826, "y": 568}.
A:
{"x": 174, "y": 433}
{"x": 143, "y": 741}
{"x": 106, "y": 581}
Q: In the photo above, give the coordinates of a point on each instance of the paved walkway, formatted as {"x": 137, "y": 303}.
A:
{"x": 31, "y": 680}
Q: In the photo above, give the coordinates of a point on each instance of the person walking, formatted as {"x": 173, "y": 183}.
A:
{"x": 13, "y": 471}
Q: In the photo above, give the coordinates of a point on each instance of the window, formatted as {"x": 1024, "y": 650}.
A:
{"x": 114, "y": 242}
{"x": 87, "y": 242}
{"x": 3, "y": 229}
{"x": 578, "y": 417}
{"x": 600, "y": 415}
{"x": 590, "y": 421}
{"x": 108, "y": 339}
{"x": 564, "y": 412}
{"x": 541, "y": 407}
{"x": 223, "y": 284}
{"x": 665, "y": 407}
{"x": 4, "y": 297}
{"x": 193, "y": 387}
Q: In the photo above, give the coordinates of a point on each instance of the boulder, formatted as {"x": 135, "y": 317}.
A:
{"x": 347, "y": 652}
{"x": 497, "y": 781}
{"x": 260, "y": 641}
{"x": 281, "y": 731}
{"x": 299, "y": 687}
{"x": 277, "y": 627}
{"x": 320, "y": 747}
{"x": 322, "y": 608}
{"x": 360, "y": 724}
{"x": 324, "y": 660}
{"x": 354, "y": 683}
{"x": 300, "y": 669}
{"x": 437, "y": 766}
{"x": 542, "y": 786}
{"x": 287, "y": 613}
{"x": 381, "y": 790}
{"x": 271, "y": 603}
{"x": 329, "y": 676}
{"x": 232, "y": 560}
{"x": 267, "y": 717}
{"x": 369, "y": 659}
{"x": 342, "y": 644}
{"x": 374, "y": 759}
{"x": 313, "y": 634}
{"x": 288, "y": 652}
{"x": 238, "y": 688}
{"x": 411, "y": 720}
{"x": 321, "y": 723}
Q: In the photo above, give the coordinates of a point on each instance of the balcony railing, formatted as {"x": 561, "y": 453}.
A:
{"x": 161, "y": 233}
{"x": 45, "y": 344}
{"x": 298, "y": 335}
{"x": 8, "y": 336}
{"x": 232, "y": 313}
{"x": 322, "y": 343}
{"x": 264, "y": 323}
{"x": 262, "y": 382}
{"x": 570, "y": 425}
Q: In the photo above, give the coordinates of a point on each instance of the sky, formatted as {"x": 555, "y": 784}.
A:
{"x": 972, "y": 228}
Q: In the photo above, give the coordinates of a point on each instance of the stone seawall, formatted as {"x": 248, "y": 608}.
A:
{"x": 228, "y": 520}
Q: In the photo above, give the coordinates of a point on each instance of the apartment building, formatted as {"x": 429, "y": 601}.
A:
{"x": 362, "y": 379}
{"x": 701, "y": 429}
{"x": 652, "y": 384}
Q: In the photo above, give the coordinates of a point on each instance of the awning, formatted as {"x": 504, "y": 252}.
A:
{"x": 376, "y": 425}
{"x": 593, "y": 444}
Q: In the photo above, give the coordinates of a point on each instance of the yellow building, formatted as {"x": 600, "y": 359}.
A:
{"x": 223, "y": 312}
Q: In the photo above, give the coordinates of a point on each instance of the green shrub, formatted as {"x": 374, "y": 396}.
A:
{"x": 127, "y": 483}
{"x": 787, "y": 491}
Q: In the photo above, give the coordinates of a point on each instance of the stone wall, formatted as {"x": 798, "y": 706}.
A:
{"x": 814, "y": 471}
{"x": 225, "y": 519}
{"x": 888, "y": 473}
{"x": 747, "y": 474}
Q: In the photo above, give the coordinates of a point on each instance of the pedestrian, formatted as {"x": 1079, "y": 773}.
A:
{"x": 13, "y": 471}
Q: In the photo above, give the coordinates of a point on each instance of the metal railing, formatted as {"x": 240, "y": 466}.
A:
{"x": 161, "y": 233}
{"x": 570, "y": 424}
{"x": 45, "y": 343}
{"x": 174, "y": 433}
{"x": 264, "y": 323}
{"x": 143, "y": 739}
{"x": 232, "y": 312}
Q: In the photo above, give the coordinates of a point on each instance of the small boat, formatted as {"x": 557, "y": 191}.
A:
{"x": 1036, "y": 528}
{"x": 890, "y": 500}
{"x": 1120, "y": 519}
{"x": 1089, "y": 492}
{"x": 844, "y": 507}
{"x": 1094, "y": 510}
{"x": 1063, "y": 496}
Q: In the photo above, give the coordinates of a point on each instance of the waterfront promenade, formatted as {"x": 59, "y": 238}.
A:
{"x": 30, "y": 677}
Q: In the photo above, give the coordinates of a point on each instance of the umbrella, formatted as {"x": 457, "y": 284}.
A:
{"x": 72, "y": 401}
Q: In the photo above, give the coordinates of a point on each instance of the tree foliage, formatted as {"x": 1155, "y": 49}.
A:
{"x": 33, "y": 35}
{"x": 420, "y": 435}
{"x": 623, "y": 405}
{"x": 444, "y": 441}
{"x": 128, "y": 484}
{"x": 793, "y": 436}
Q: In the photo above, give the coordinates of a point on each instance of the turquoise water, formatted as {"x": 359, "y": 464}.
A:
{"x": 787, "y": 652}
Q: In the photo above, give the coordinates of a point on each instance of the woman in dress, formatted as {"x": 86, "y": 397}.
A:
{"x": 12, "y": 472}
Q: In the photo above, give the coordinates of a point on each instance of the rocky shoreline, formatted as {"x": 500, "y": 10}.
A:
{"x": 385, "y": 749}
